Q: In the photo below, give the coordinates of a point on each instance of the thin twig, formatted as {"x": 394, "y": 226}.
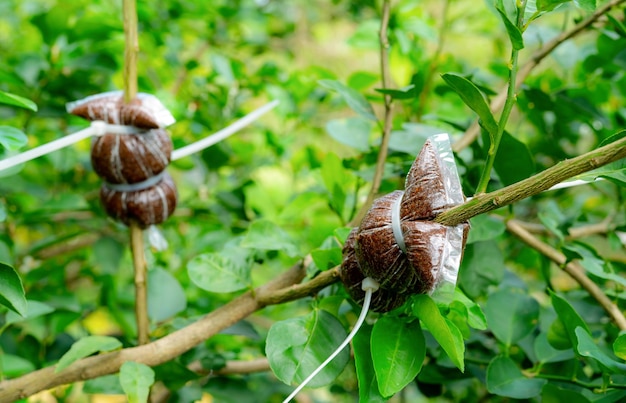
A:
{"x": 388, "y": 116}
{"x": 131, "y": 50}
{"x": 141, "y": 286}
{"x": 136, "y": 234}
{"x": 434, "y": 64}
{"x": 572, "y": 268}
{"x": 535, "y": 184}
{"x": 474, "y": 130}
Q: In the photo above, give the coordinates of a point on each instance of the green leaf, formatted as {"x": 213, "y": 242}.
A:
{"x": 587, "y": 347}
{"x": 408, "y": 92}
{"x": 12, "y": 366}
{"x": 482, "y": 266}
{"x": 136, "y": 380}
{"x": 265, "y": 235}
{"x": 336, "y": 181}
{"x": 326, "y": 258}
{"x": 514, "y": 161}
{"x": 365, "y": 373}
{"x": 593, "y": 263}
{"x": 619, "y": 346}
{"x": 443, "y": 330}
{"x": 546, "y": 353}
{"x": 511, "y": 315}
{"x": 515, "y": 34}
{"x": 11, "y": 138}
{"x": 296, "y": 347}
{"x": 569, "y": 318}
{"x": 11, "y": 290}
{"x": 353, "y": 132}
{"x": 549, "y": 5}
{"x": 398, "y": 351}
{"x": 484, "y": 228}
{"x": 85, "y": 347}
{"x": 587, "y": 5}
{"x": 476, "y": 317}
{"x": 33, "y": 310}
{"x": 552, "y": 393}
{"x": 15, "y": 100}
{"x": 504, "y": 378}
{"x": 472, "y": 97}
{"x": 354, "y": 99}
{"x": 216, "y": 272}
{"x": 166, "y": 297}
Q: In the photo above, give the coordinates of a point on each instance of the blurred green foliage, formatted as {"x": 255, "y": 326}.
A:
{"x": 260, "y": 201}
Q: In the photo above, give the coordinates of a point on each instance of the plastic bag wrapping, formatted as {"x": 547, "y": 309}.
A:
{"x": 398, "y": 244}
{"x": 131, "y": 158}
{"x": 136, "y": 187}
{"x": 145, "y": 111}
{"x": 148, "y": 206}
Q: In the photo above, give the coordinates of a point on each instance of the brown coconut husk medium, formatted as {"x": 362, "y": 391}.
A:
{"x": 427, "y": 253}
{"x": 149, "y": 206}
{"x": 131, "y": 158}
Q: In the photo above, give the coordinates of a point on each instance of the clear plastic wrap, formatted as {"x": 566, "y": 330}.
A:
{"x": 145, "y": 111}
{"x": 398, "y": 244}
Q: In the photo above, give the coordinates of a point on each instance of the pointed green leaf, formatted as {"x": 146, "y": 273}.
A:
{"x": 166, "y": 297}
{"x": 33, "y": 310}
{"x": 443, "y": 330}
{"x": 216, "y": 272}
{"x": 504, "y": 378}
{"x": 619, "y": 346}
{"x": 11, "y": 138}
{"x": 366, "y": 376}
{"x": 13, "y": 366}
{"x": 354, "y": 99}
{"x": 476, "y": 317}
{"x": 484, "y": 228}
{"x": 398, "y": 351}
{"x": 515, "y": 34}
{"x": 11, "y": 290}
{"x": 353, "y": 132}
{"x": 265, "y": 235}
{"x": 552, "y": 393}
{"x": 569, "y": 318}
{"x": 482, "y": 266}
{"x": 514, "y": 161}
{"x": 549, "y": 5}
{"x": 472, "y": 97}
{"x": 587, "y": 347}
{"x": 85, "y": 347}
{"x": 15, "y": 100}
{"x": 136, "y": 380}
{"x": 335, "y": 180}
{"x": 587, "y": 5}
{"x": 296, "y": 347}
{"x": 511, "y": 315}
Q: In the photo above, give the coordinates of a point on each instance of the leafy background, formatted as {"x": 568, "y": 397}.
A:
{"x": 254, "y": 205}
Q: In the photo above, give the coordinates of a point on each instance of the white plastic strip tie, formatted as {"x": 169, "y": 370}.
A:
{"x": 97, "y": 128}
{"x": 224, "y": 133}
{"x": 395, "y": 224}
{"x": 134, "y": 187}
{"x": 369, "y": 285}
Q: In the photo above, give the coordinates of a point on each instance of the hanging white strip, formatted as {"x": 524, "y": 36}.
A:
{"x": 224, "y": 133}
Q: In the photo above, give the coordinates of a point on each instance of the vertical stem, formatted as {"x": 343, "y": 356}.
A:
{"x": 388, "y": 121}
{"x": 511, "y": 98}
{"x": 131, "y": 50}
{"x": 141, "y": 289}
{"x": 136, "y": 234}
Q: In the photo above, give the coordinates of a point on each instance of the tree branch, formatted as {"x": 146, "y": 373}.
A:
{"x": 572, "y": 268}
{"x": 157, "y": 352}
{"x": 535, "y": 184}
{"x": 498, "y": 102}
{"x": 388, "y": 116}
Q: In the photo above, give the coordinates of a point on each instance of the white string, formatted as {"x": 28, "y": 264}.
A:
{"x": 395, "y": 224}
{"x": 133, "y": 187}
{"x": 224, "y": 133}
{"x": 97, "y": 128}
{"x": 369, "y": 285}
